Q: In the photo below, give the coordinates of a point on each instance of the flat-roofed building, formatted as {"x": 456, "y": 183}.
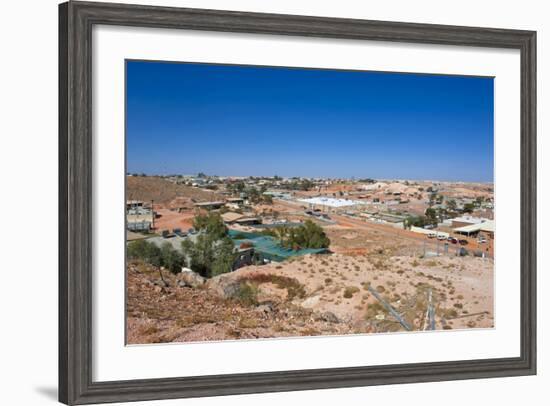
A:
{"x": 209, "y": 205}
{"x": 485, "y": 228}
{"x": 138, "y": 216}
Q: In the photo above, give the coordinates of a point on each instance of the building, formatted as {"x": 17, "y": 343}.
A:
{"x": 278, "y": 195}
{"x": 430, "y": 233}
{"x": 209, "y": 205}
{"x": 485, "y": 228}
{"x": 139, "y": 217}
{"x": 231, "y": 217}
{"x": 466, "y": 221}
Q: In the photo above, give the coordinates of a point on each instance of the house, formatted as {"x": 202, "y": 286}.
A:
{"x": 138, "y": 216}
{"x": 231, "y": 217}
{"x": 209, "y": 205}
{"x": 249, "y": 221}
{"x": 485, "y": 228}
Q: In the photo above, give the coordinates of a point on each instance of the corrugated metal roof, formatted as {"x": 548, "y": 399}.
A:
{"x": 488, "y": 226}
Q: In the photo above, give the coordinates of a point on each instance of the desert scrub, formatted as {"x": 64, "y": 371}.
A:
{"x": 350, "y": 291}
{"x": 415, "y": 263}
{"x": 248, "y": 323}
{"x": 380, "y": 289}
{"x": 293, "y": 287}
{"x": 247, "y": 294}
{"x": 373, "y": 309}
{"x": 149, "y": 330}
{"x": 309, "y": 331}
{"x": 328, "y": 281}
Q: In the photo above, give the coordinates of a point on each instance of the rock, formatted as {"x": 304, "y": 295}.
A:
{"x": 189, "y": 278}
{"x": 311, "y": 301}
{"x": 224, "y": 286}
{"x": 329, "y": 317}
{"x": 266, "y": 307}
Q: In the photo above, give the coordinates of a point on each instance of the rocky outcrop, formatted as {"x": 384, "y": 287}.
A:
{"x": 224, "y": 286}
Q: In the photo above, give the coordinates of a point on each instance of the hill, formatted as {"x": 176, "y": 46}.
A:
{"x": 149, "y": 188}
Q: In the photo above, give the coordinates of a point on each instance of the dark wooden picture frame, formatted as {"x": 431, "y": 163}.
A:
{"x": 76, "y": 20}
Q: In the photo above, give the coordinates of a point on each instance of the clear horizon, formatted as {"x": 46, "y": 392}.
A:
{"x": 185, "y": 118}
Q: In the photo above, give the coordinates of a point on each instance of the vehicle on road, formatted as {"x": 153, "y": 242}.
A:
{"x": 179, "y": 233}
{"x": 166, "y": 234}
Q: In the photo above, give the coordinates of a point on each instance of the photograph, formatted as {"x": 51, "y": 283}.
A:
{"x": 267, "y": 202}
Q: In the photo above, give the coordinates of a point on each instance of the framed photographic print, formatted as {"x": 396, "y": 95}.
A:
{"x": 258, "y": 202}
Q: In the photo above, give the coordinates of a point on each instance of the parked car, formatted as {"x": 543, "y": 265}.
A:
{"x": 441, "y": 237}
{"x": 482, "y": 240}
{"x": 166, "y": 234}
{"x": 178, "y": 232}
{"x": 452, "y": 240}
{"x": 463, "y": 242}
{"x": 432, "y": 235}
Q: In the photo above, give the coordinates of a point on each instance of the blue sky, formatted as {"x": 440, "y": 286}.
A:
{"x": 263, "y": 121}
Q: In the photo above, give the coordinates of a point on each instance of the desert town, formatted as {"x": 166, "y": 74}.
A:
{"x": 216, "y": 258}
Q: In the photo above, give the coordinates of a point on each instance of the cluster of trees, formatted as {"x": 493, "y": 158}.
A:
{"x": 211, "y": 254}
{"x": 417, "y": 221}
{"x": 254, "y": 194}
{"x": 300, "y": 184}
{"x": 308, "y": 235}
{"x": 257, "y": 195}
{"x": 165, "y": 256}
{"x": 213, "y": 251}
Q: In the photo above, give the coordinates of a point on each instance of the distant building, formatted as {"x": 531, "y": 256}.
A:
{"x": 231, "y": 217}
{"x": 138, "y": 216}
{"x": 209, "y": 205}
{"x": 485, "y": 228}
{"x": 278, "y": 195}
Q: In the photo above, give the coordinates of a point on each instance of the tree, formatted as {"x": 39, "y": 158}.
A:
{"x": 431, "y": 216}
{"x": 209, "y": 256}
{"x": 468, "y": 208}
{"x": 433, "y": 196}
{"x": 451, "y": 205}
{"x": 150, "y": 253}
{"x": 224, "y": 257}
{"x": 171, "y": 259}
{"x": 211, "y": 223}
{"x": 308, "y": 235}
{"x": 213, "y": 252}
{"x": 417, "y": 221}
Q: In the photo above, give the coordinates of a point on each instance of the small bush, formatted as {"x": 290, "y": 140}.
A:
{"x": 247, "y": 294}
{"x": 350, "y": 291}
